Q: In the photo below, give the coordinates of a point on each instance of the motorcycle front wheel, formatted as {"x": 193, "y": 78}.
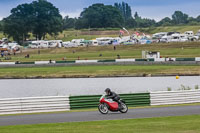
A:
{"x": 124, "y": 108}
{"x": 103, "y": 109}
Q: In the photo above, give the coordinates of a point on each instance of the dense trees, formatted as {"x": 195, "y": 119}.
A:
{"x": 130, "y": 23}
{"x": 100, "y": 16}
{"x": 119, "y": 15}
{"x": 143, "y": 22}
{"x": 125, "y": 10}
{"x": 179, "y": 18}
{"x": 46, "y": 19}
{"x": 1, "y": 25}
{"x": 39, "y": 18}
{"x": 165, "y": 22}
{"x": 126, "y": 13}
{"x": 198, "y": 19}
{"x": 69, "y": 23}
{"x": 18, "y": 24}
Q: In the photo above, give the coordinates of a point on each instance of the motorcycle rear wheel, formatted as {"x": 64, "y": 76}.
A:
{"x": 103, "y": 109}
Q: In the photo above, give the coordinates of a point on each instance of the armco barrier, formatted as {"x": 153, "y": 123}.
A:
{"x": 34, "y": 105}
{"x": 7, "y": 63}
{"x": 185, "y": 59}
{"x": 44, "y": 62}
{"x": 170, "y": 59}
{"x": 77, "y": 102}
{"x": 86, "y": 61}
{"x": 140, "y": 59}
{"x": 65, "y": 103}
{"x": 175, "y": 97}
{"x": 197, "y": 59}
{"x": 81, "y": 102}
{"x": 160, "y": 59}
{"x": 151, "y": 59}
{"x": 106, "y": 60}
{"x": 139, "y": 99}
{"x": 179, "y": 61}
{"x": 125, "y": 60}
{"x": 26, "y": 63}
{"x": 65, "y": 61}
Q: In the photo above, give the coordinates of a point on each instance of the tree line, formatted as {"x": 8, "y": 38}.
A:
{"x": 120, "y": 15}
{"x": 37, "y": 18}
{"x": 107, "y": 16}
{"x": 41, "y": 17}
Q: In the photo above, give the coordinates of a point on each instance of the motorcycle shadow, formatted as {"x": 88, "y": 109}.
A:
{"x": 112, "y": 113}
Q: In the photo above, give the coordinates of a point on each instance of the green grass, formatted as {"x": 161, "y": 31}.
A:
{"x": 183, "y": 50}
{"x": 68, "y": 35}
{"x": 179, "y": 124}
{"x": 96, "y": 71}
{"x": 1, "y": 35}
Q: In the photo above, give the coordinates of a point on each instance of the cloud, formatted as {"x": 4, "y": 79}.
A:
{"x": 71, "y": 14}
{"x": 2, "y": 17}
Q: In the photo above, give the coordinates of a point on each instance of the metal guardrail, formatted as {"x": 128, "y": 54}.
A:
{"x": 140, "y": 99}
{"x": 65, "y": 103}
{"x": 77, "y": 102}
{"x": 34, "y": 105}
{"x": 86, "y": 61}
{"x": 175, "y": 97}
{"x": 185, "y": 59}
{"x": 197, "y": 59}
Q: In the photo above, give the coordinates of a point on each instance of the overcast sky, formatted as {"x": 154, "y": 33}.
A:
{"x": 156, "y": 9}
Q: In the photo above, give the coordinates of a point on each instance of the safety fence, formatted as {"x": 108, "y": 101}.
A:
{"x": 175, "y": 97}
{"x": 65, "y": 103}
{"x": 197, "y": 59}
{"x": 81, "y": 102}
{"x": 34, "y": 105}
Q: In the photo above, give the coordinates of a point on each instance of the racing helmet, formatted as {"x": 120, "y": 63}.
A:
{"x": 107, "y": 90}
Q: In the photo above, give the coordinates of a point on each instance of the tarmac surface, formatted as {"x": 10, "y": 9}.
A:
{"x": 96, "y": 116}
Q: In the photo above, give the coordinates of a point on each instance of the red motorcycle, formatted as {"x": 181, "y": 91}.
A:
{"x": 107, "y": 105}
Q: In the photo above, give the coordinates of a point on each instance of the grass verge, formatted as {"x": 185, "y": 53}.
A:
{"x": 99, "y": 71}
{"x": 178, "y": 124}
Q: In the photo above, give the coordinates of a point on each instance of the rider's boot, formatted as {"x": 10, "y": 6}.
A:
{"x": 119, "y": 104}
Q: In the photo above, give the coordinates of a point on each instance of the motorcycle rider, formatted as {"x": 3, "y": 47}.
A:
{"x": 112, "y": 95}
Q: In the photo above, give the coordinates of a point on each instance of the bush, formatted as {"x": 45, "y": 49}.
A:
{"x": 196, "y": 87}
{"x": 185, "y": 87}
{"x": 169, "y": 89}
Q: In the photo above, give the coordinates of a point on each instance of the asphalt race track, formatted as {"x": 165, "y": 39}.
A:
{"x": 95, "y": 115}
